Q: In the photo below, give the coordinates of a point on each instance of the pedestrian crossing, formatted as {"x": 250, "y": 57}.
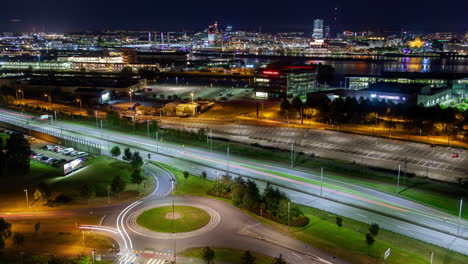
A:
{"x": 138, "y": 259}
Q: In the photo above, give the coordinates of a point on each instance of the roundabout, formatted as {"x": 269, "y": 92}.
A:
{"x": 161, "y": 221}
{"x": 183, "y": 219}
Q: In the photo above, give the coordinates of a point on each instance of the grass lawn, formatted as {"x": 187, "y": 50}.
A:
{"x": 191, "y": 219}
{"x": 193, "y": 185}
{"x": 226, "y": 255}
{"x": 348, "y": 242}
{"x": 57, "y": 235}
{"x": 100, "y": 171}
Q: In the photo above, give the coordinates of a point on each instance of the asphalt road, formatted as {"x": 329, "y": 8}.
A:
{"x": 362, "y": 204}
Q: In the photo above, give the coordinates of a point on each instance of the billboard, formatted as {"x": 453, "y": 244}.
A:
{"x": 73, "y": 165}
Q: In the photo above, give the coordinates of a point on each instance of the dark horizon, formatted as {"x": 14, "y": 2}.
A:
{"x": 271, "y": 16}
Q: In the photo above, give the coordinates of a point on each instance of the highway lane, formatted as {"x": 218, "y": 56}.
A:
{"x": 424, "y": 161}
{"x": 409, "y": 212}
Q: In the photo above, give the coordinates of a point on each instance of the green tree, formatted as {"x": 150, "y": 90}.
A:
{"x": 18, "y": 151}
{"x": 204, "y": 175}
{"x": 339, "y": 221}
{"x": 247, "y": 258}
{"x": 18, "y": 239}
{"x": 208, "y": 255}
{"x": 42, "y": 192}
{"x": 136, "y": 160}
{"x": 127, "y": 156}
{"x": 285, "y": 106}
{"x": 279, "y": 260}
{"x": 370, "y": 240}
{"x": 186, "y": 174}
{"x": 88, "y": 191}
{"x": 137, "y": 177}
{"x": 118, "y": 185}
{"x": 251, "y": 197}
{"x": 374, "y": 229}
{"x": 113, "y": 118}
{"x": 83, "y": 259}
{"x": 296, "y": 104}
{"x": 5, "y": 231}
{"x": 115, "y": 151}
{"x": 126, "y": 73}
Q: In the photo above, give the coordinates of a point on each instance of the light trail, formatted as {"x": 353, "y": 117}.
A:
{"x": 300, "y": 182}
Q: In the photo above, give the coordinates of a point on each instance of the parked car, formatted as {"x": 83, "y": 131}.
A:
{"x": 44, "y": 158}
{"x": 455, "y": 155}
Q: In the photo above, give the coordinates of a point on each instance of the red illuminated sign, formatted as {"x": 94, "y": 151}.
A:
{"x": 270, "y": 72}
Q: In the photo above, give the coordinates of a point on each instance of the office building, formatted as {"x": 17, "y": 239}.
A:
{"x": 318, "y": 29}
{"x": 285, "y": 82}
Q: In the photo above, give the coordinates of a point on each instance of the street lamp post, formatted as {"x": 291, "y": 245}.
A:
{"x": 217, "y": 184}
{"x": 398, "y": 179}
{"x": 157, "y": 142}
{"x": 130, "y": 93}
{"x": 211, "y": 140}
{"x": 27, "y": 198}
{"x": 289, "y": 210}
{"x": 147, "y": 128}
{"x": 95, "y": 113}
{"x": 227, "y": 160}
{"x": 192, "y": 96}
{"x": 173, "y": 222}
{"x": 108, "y": 194}
{"x": 81, "y": 106}
{"x": 459, "y": 216}
{"x": 292, "y": 155}
{"x": 321, "y": 182}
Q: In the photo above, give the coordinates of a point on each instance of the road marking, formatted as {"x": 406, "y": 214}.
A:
{"x": 297, "y": 255}
{"x": 361, "y": 215}
{"x": 402, "y": 227}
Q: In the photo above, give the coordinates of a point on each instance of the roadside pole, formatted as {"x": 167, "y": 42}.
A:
{"x": 227, "y": 160}
{"x": 321, "y": 182}
{"x": 27, "y": 198}
{"x": 157, "y": 142}
{"x": 217, "y": 184}
{"x": 289, "y": 210}
{"x": 459, "y": 216}
{"x": 292, "y": 155}
{"x": 398, "y": 179}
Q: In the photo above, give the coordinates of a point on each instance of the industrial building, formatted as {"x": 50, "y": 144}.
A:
{"x": 457, "y": 82}
{"x": 285, "y": 82}
{"x": 399, "y": 93}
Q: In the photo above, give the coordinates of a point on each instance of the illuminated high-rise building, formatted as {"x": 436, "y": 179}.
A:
{"x": 318, "y": 29}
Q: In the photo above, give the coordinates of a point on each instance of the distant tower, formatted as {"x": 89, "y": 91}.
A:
{"x": 149, "y": 37}
{"x": 326, "y": 31}
{"x": 318, "y": 29}
{"x": 214, "y": 34}
{"x": 334, "y": 27}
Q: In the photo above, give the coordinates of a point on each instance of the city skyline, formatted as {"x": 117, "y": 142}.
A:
{"x": 66, "y": 16}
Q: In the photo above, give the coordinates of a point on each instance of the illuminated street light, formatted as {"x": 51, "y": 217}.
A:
{"x": 192, "y": 96}
{"x": 27, "y": 198}
{"x": 48, "y": 97}
{"x": 130, "y": 93}
{"x": 81, "y": 106}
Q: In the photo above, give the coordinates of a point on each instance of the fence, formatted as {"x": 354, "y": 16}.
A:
{"x": 53, "y": 136}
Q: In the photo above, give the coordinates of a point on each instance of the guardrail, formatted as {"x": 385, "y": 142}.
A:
{"x": 57, "y": 137}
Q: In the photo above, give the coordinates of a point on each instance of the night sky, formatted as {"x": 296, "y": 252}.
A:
{"x": 271, "y": 15}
